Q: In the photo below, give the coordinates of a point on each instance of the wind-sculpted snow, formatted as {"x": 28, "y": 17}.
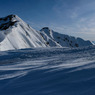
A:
{"x": 48, "y": 71}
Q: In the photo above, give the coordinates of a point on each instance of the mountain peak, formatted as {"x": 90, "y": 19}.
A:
{"x": 9, "y": 17}
{"x": 45, "y": 29}
{"x": 6, "y": 22}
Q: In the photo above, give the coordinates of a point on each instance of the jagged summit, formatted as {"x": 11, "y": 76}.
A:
{"x": 45, "y": 29}
{"x": 9, "y": 17}
{"x": 7, "y": 21}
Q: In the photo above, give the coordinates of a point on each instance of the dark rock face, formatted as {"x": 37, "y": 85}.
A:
{"x": 9, "y": 17}
{"x": 7, "y": 25}
{"x": 47, "y": 43}
{"x": 6, "y": 22}
{"x": 76, "y": 45}
{"x": 46, "y": 28}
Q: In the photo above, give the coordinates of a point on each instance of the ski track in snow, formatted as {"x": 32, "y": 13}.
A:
{"x": 48, "y": 71}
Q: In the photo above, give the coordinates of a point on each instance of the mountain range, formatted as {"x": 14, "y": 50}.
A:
{"x": 16, "y": 34}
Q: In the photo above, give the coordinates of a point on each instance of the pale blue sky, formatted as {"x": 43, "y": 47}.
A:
{"x": 73, "y": 17}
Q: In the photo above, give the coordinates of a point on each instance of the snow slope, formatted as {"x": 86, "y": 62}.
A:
{"x": 16, "y": 34}
{"x": 48, "y": 71}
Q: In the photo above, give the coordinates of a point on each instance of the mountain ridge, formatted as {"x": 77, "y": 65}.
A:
{"x": 63, "y": 39}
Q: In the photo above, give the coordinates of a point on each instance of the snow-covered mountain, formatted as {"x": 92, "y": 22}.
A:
{"x": 16, "y": 34}
{"x": 62, "y": 40}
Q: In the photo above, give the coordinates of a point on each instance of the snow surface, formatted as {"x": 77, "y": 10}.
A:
{"x": 48, "y": 71}
{"x": 16, "y": 34}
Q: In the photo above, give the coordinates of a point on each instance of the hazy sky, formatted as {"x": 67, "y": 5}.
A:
{"x": 73, "y": 17}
